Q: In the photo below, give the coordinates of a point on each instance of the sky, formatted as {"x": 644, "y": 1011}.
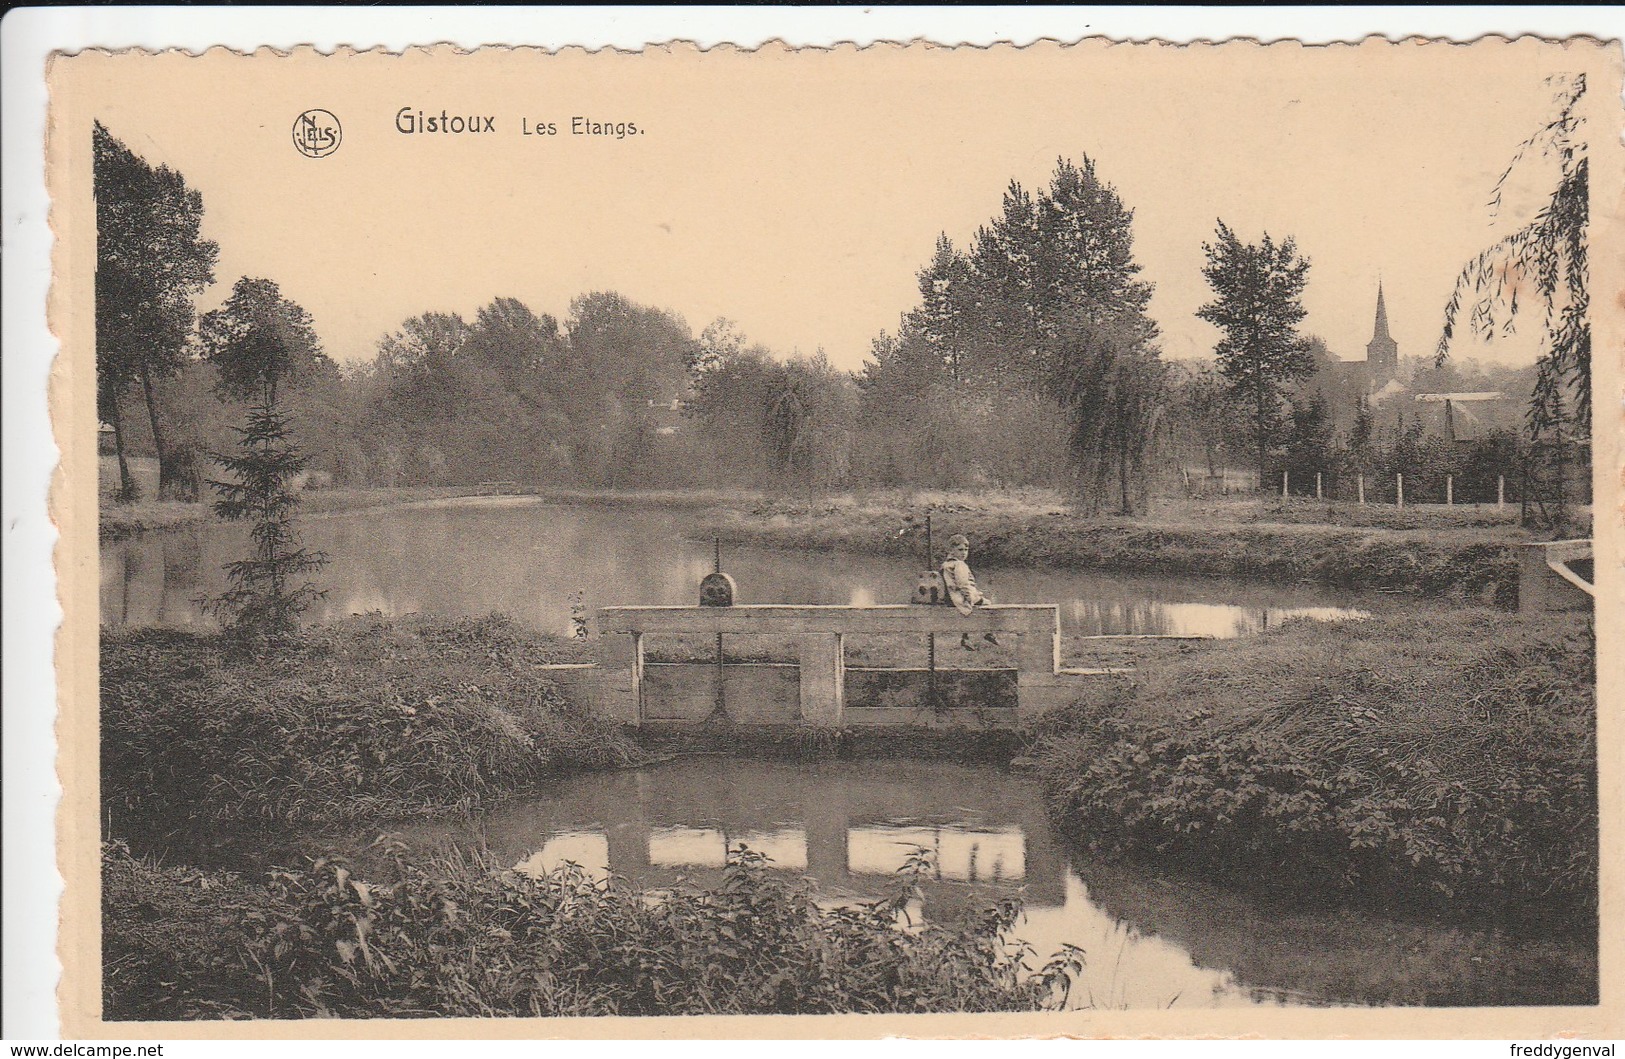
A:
{"x": 799, "y": 194}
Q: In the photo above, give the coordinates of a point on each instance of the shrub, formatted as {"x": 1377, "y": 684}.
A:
{"x": 362, "y": 719}
{"x": 1392, "y": 757}
{"x": 460, "y": 938}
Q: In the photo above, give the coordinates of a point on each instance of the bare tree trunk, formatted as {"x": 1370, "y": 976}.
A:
{"x": 125, "y": 482}
{"x": 165, "y": 473}
{"x": 1123, "y": 472}
{"x": 1263, "y": 442}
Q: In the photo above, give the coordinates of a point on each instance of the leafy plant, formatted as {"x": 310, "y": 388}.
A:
{"x": 465, "y": 938}
{"x": 1323, "y": 760}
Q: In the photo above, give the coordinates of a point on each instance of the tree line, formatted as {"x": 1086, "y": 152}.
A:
{"x": 1028, "y": 359}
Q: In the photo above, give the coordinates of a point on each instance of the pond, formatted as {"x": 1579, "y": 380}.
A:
{"x": 534, "y": 560}
{"x": 1151, "y": 941}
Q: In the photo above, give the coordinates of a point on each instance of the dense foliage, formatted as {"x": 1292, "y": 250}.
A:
{"x": 1543, "y": 261}
{"x": 1045, "y": 309}
{"x": 151, "y": 259}
{"x": 1399, "y": 761}
{"x": 466, "y": 939}
{"x": 1028, "y": 359}
{"x": 1257, "y": 305}
{"x": 361, "y": 719}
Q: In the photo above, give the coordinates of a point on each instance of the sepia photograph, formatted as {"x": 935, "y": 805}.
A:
{"x": 1100, "y": 535}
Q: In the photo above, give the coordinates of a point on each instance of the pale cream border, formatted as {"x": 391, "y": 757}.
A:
{"x": 73, "y": 504}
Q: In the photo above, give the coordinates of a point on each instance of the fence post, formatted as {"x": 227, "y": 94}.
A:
{"x": 1283, "y": 484}
{"x": 1399, "y": 489}
{"x": 1318, "y": 495}
{"x": 1360, "y": 482}
{"x": 1500, "y": 491}
{"x": 1449, "y": 490}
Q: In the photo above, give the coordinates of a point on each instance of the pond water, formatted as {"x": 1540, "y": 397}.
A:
{"x": 1151, "y": 941}
{"x": 848, "y": 826}
{"x": 531, "y": 560}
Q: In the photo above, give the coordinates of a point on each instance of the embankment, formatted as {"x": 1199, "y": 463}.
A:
{"x": 365, "y": 718}
{"x": 1467, "y": 563}
{"x": 1428, "y": 764}
{"x": 117, "y": 522}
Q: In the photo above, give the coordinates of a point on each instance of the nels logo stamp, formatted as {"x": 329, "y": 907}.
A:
{"x": 316, "y": 133}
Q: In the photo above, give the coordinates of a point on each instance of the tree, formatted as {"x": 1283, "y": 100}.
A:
{"x": 1114, "y": 390}
{"x": 1257, "y": 305}
{"x": 623, "y": 359}
{"x": 1069, "y": 262}
{"x": 729, "y": 406}
{"x": 946, "y": 319}
{"x": 151, "y": 259}
{"x": 1047, "y": 265}
{"x": 417, "y": 362}
{"x": 1044, "y": 310}
{"x": 1309, "y": 442}
{"x": 1548, "y": 253}
{"x": 261, "y": 342}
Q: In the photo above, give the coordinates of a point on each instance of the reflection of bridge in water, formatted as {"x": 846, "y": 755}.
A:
{"x": 849, "y": 825}
{"x": 850, "y": 830}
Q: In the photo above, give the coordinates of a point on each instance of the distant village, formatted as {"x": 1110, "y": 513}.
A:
{"x": 1426, "y": 396}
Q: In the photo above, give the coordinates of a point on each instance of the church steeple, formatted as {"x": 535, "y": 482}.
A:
{"x": 1382, "y": 352}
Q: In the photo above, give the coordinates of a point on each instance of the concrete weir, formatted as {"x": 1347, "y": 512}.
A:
{"x": 819, "y": 689}
{"x": 1556, "y": 575}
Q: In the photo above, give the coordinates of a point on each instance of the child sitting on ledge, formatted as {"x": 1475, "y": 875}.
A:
{"x": 961, "y": 583}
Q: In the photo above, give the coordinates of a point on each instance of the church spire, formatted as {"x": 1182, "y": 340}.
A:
{"x": 1382, "y": 352}
{"x": 1380, "y": 329}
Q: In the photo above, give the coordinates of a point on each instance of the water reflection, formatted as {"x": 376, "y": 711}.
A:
{"x": 850, "y": 826}
{"x": 958, "y": 853}
{"x": 1152, "y": 941}
{"x": 527, "y": 559}
{"x": 588, "y": 850}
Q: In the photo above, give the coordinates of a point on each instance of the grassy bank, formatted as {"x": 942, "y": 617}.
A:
{"x": 467, "y": 939}
{"x": 1435, "y": 554}
{"x": 118, "y": 521}
{"x": 1411, "y": 763}
{"x": 365, "y": 718}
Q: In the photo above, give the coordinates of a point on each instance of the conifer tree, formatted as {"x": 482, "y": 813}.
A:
{"x": 261, "y": 342}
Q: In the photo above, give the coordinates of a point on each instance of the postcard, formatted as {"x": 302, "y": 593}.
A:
{"x": 1079, "y": 539}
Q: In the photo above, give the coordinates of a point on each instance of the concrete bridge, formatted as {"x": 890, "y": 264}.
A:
{"x": 819, "y": 688}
